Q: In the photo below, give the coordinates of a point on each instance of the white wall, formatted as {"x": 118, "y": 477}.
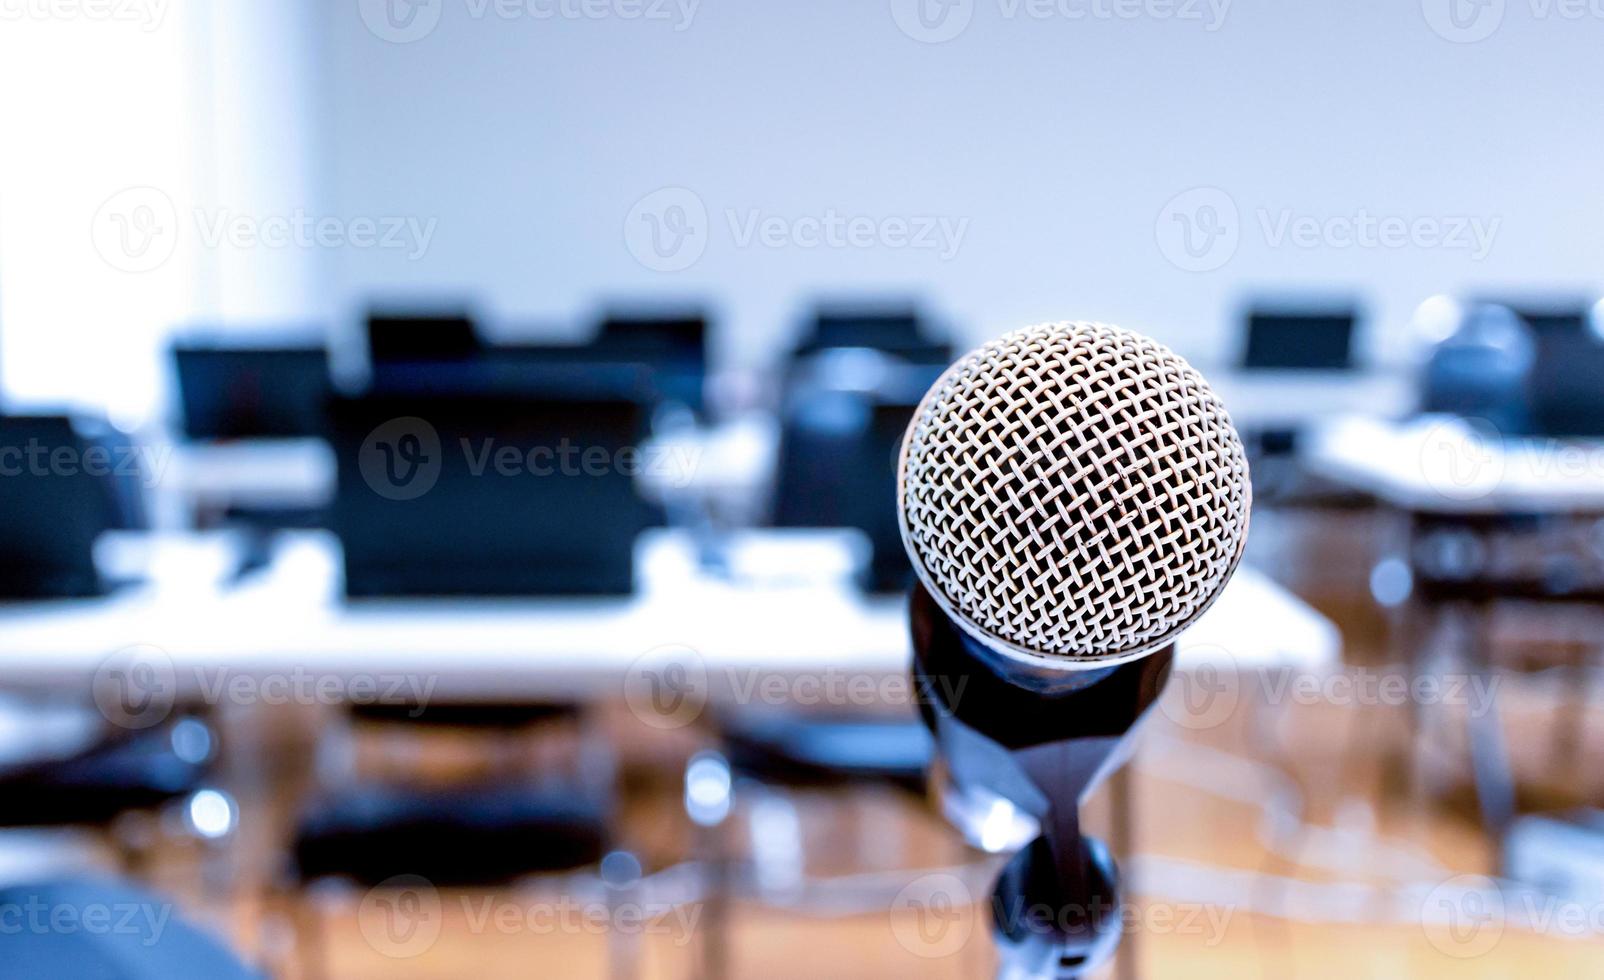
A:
{"x": 511, "y": 153}
{"x": 1059, "y": 140}
{"x": 95, "y": 151}
{"x": 129, "y": 131}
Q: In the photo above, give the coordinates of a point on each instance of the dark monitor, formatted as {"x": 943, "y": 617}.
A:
{"x": 1281, "y": 340}
{"x": 487, "y": 494}
{"x": 55, "y": 502}
{"x": 420, "y": 334}
{"x": 244, "y": 393}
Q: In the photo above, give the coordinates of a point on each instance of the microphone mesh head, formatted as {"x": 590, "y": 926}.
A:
{"x": 1073, "y": 493}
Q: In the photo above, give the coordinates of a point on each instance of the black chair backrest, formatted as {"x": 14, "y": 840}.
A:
{"x": 666, "y": 336}
{"x": 56, "y": 499}
{"x": 895, "y": 331}
{"x": 838, "y": 462}
{"x": 487, "y": 494}
{"x": 1483, "y": 371}
{"x": 673, "y": 346}
{"x": 420, "y": 334}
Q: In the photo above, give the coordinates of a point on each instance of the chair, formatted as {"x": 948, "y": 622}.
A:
{"x": 841, "y": 428}
{"x": 890, "y": 328}
{"x": 423, "y": 332}
{"x": 56, "y": 499}
{"x": 1482, "y": 371}
{"x": 398, "y": 819}
{"x": 672, "y": 345}
{"x": 773, "y": 765}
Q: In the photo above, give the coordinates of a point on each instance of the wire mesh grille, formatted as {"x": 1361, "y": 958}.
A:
{"x": 1074, "y": 490}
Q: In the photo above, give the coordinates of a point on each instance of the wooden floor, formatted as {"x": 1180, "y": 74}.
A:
{"x": 1285, "y": 838}
{"x": 1278, "y": 843}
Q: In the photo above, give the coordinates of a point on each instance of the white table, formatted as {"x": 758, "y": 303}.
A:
{"x": 1442, "y": 468}
{"x": 1282, "y": 399}
{"x": 1441, "y": 465}
{"x": 252, "y": 472}
{"x": 789, "y": 609}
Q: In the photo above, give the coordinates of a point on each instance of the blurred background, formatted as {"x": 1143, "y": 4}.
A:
{"x": 447, "y": 467}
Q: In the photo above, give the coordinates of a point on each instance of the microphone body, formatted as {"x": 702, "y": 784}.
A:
{"x": 1072, "y": 496}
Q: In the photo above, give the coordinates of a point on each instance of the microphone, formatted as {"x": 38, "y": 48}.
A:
{"x": 1072, "y": 496}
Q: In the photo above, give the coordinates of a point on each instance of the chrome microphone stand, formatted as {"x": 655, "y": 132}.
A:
{"x": 1040, "y": 739}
